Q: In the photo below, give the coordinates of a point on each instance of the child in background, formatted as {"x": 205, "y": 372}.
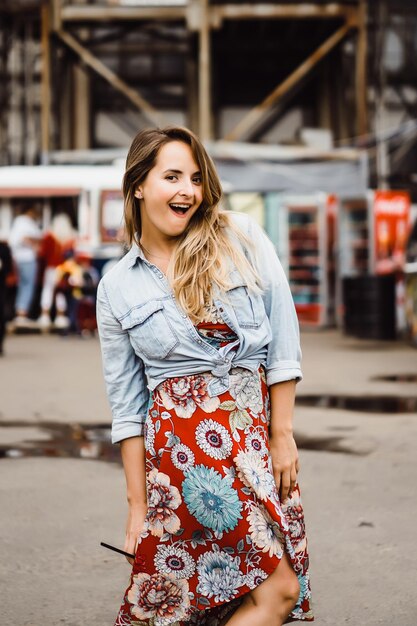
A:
{"x": 77, "y": 282}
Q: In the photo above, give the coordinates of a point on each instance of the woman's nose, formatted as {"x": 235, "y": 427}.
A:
{"x": 186, "y": 188}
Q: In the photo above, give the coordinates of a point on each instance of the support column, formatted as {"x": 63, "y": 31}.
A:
{"x": 192, "y": 92}
{"x": 361, "y": 71}
{"x": 204, "y": 73}
{"x": 382, "y": 158}
{"x": 46, "y": 84}
{"x": 81, "y": 108}
{"x": 324, "y": 98}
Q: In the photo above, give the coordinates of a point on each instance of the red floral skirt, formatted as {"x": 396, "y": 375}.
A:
{"x": 215, "y": 527}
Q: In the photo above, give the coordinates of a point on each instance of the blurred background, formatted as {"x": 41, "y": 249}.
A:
{"x": 309, "y": 110}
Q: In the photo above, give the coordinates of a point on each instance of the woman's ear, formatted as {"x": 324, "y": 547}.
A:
{"x": 138, "y": 194}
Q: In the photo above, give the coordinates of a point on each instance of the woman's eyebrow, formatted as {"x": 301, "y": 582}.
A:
{"x": 173, "y": 171}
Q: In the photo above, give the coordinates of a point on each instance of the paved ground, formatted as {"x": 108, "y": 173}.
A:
{"x": 358, "y": 480}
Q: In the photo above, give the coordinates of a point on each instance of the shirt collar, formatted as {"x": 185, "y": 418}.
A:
{"x": 134, "y": 254}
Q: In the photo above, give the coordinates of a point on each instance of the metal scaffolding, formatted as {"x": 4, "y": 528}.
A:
{"x": 229, "y": 70}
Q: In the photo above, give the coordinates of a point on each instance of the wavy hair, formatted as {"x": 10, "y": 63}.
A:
{"x": 203, "y": 255}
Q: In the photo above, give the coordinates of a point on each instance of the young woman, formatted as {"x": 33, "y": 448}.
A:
{"x": 201, "y": 354}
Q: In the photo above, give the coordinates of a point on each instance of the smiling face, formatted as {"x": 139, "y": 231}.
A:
{"x": 170, "y": 194}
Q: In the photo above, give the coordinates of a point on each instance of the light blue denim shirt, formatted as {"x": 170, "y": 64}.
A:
{"x": 146, "y": 337}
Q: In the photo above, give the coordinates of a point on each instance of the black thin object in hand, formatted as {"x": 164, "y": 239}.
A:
{"x": 106, "y": 545}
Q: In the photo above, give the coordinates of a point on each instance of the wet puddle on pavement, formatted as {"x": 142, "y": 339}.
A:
{"x": 365, "y": 404}
{"x": 74, "y": 441}
{"x": 93, "y": 442}
{"x": 396, "y": 378}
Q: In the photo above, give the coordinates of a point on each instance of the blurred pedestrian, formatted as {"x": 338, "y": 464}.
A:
{"x": 5, "y": 270}
{"x": 24, "y": 240}
{"x": 56, "y": 243}
{"x": 201, "y": 354}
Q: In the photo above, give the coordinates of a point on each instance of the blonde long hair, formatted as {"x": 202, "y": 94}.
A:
{"x": 204, "y": 251}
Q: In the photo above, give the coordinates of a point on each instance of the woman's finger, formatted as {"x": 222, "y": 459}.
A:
{"x": 285, "y": 484}
{"x": 277, "y": 478}
{"x": 293, "y": 478}
{"x": 130, "y": 546}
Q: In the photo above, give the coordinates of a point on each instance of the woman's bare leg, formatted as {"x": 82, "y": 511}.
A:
{"x": 272, "y": 601}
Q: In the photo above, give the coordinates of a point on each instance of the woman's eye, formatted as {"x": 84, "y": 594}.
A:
{"x": 171, "y": 177}
{"x": 197, "y": 180}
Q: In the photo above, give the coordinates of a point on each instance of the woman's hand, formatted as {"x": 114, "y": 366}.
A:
{"x": 285, "y": 463}
{"x": 133, "y": 457}
{"x": 134, "y": 525}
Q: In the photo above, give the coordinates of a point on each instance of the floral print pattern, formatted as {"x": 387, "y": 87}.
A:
{"x": 252, "y": 472}
{"x": 213, "y": 439}
{"x": 163, "y": 499}
{"x": 175, "y": 561}
{"x": 215, "y": 527}
{"x": 185, "y": 394}
{"x": 211, "y": 499}
{"x": 219, "y": 575}
{"x": 160, "y": 597}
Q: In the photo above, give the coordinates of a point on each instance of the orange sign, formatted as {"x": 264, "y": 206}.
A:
{"x": 392, "y": 219}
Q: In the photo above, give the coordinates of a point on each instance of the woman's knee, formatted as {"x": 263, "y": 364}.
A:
{"x": 292, "y": 589}
{"x": 277, "y": 596}
{"x": 288, "y": 590}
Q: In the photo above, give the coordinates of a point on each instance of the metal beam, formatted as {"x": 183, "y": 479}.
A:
{"x": 91, "y": 13}
{"x": 257, "y": 113}
{"x": 80, "y": 13}
{"x": 111, "y": 77}
{"x": 283, "y": 11}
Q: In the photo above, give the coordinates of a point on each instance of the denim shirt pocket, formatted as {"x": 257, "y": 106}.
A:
{"x": 248, "y": 306}
{"x": 150, "y": 331}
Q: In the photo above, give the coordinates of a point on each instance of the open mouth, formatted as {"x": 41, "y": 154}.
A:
{"x": 180, "y": 209}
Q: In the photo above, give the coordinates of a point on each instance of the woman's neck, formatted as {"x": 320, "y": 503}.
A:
{"x": 157, "y": 253}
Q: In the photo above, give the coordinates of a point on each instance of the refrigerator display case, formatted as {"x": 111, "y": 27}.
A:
{"x": 373, "y": 232}
{"x": 302, "y": 229}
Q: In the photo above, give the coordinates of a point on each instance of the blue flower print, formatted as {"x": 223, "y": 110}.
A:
{"x": 211, "y": 498}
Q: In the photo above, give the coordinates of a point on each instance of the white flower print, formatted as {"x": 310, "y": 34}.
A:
{"x": 213, "y": 439}
{"x": 255, "y": 577}
{"x": 159, "y": 598}
{"x": 265, "y": 532}
{"x": 173, "y": 560}
{"x": 219, "y": 575}
{"x": 254, "y": 441}
{"x": 246, "y": 390}
{"x": 163, "y": 499}
{"x": 253, "y": 472}
{"x": 182, "y": 457}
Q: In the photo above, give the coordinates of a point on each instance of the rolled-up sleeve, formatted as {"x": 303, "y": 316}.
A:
{"x": 123, "y": 373}
{"x": 284, "y": 352}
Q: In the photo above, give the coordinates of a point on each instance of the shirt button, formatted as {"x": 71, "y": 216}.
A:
{"x": 199, "y": 341}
